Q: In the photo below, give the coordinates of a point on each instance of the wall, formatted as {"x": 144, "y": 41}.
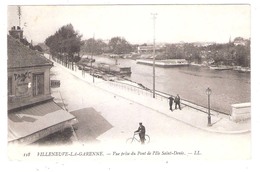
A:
{"x": 241, "y": 112}
{"x": 22, "y": 86}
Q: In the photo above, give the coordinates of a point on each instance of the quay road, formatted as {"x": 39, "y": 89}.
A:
{"x": 109, "y": 115}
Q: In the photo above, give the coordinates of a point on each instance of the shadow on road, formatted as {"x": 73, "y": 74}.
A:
{"x": 90, "y": 124}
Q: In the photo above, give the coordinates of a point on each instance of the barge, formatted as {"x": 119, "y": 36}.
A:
{"x": 106, "y": 68}
{"x": 113, "y": 69}
{"x": 221, "y": 67}
{"x": 164, "y": 63}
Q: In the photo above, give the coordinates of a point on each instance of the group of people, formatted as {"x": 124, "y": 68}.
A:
{"x": 141, "y": 128}
{"x": 176, "y": 100}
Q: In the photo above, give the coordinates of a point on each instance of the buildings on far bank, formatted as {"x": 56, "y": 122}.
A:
{"x": 149, "y": 48}
{"x": 32, "y": 113}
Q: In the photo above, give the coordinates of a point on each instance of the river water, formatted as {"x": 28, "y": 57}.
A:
{"x": 190, "y": 82}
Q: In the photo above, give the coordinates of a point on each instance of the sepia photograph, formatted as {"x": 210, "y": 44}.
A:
{"x": 128, "y": 82}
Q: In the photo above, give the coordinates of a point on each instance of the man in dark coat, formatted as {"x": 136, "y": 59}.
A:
{"x": 141, "y": 131}
{"x": 177, "y": 101}
{"x": 171, "y": 102}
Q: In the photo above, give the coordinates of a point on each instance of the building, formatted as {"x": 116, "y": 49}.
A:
{"x": 16, "y": 32}
{"x": 149, "y": 49}
{"x": 240, "y": 41}
{"x": 32, "y": 113}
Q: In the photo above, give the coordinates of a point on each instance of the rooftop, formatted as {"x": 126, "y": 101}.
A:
{"x": 20, "y": 56}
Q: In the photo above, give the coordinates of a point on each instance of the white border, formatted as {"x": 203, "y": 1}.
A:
{"x": 251, "y": 165}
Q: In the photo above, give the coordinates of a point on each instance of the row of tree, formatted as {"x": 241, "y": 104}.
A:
{"x": 219, "y": 54}
{"x": 116, "y": 45}
{"x": 66, "y": 44}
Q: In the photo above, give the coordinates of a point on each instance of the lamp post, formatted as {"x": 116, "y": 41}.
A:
{"x": 208, "y": 91}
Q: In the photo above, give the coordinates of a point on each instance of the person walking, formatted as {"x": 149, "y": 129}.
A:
{"x": 171, "y": 99}
{"x": 141, "y": 131}
{"x": 177, "y": 101}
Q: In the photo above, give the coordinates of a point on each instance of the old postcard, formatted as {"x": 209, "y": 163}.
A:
{"x": 125, "y": 82}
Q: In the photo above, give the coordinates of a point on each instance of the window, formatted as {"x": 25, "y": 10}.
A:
{"x": 38, "y": 84}
{"x": 10, "y": 85}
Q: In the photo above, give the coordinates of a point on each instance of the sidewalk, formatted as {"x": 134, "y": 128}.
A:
{"x": 188, "y": 115}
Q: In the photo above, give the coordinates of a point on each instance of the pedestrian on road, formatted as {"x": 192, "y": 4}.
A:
{"x": 177, "y": 101}
{"x": 141, "y": 131}
{"x": 171, "y": 99}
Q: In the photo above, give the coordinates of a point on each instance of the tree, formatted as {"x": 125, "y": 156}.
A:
{"x": 183, "y": 51}
{"x": 54, "y": 44}
{"x": 119, "y": 46}
{"x": 100, "y": 46}
{"x": 242, "y": 56}
{"x": 65, "y": 44}
{"x": 92, "y": 46}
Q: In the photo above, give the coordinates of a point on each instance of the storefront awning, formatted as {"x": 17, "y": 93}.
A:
{"x": 34, "y": 119}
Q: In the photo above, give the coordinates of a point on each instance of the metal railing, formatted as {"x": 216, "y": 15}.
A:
{"x": 165, "y": 97}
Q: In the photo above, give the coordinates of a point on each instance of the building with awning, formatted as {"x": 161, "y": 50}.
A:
{"x": 32, "y": 113}
{"x": 33, "y": 123}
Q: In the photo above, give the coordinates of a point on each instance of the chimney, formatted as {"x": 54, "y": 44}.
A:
{"x": 16, "y": 32}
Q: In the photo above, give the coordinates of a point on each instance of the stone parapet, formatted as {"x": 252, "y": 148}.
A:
{"x": 241, "y": 112}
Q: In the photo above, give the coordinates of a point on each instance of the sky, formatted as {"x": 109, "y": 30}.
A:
{"x": 215, "y": 24}
{"x": 173, "y": 23}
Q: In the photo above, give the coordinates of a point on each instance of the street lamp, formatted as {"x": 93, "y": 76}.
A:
{"x": 208, "y": 91}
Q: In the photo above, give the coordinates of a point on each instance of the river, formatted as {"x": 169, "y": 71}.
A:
{"x": 190, "y": 82}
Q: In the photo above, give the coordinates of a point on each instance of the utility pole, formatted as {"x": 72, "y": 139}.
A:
{"x": 19, "y": 14}
{"x": 154, "y": 17}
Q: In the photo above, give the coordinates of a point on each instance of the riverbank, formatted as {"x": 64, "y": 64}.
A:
{"x": 223, "y": 67}
{"x": 190, "y": 82}
{"x": 187, "y": 115}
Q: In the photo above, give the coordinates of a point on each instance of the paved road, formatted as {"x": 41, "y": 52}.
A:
{"x": 167, "y": 134}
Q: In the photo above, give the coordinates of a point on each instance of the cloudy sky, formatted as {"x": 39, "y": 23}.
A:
{"x": 174, "y": 23}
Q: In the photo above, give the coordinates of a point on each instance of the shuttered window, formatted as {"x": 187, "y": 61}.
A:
{"x": 10, "y": 85}
{"x": 38, "y": 84}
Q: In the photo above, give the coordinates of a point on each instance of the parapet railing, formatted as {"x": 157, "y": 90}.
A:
{"x": 164, "y": 97}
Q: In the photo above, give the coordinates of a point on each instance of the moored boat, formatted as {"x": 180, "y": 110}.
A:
{"x": 242, "y": 69}
{"x": 221, "y": 67}
{"x": 107, "y": 68}
{"x": 164, "y": 63}
{"x": 245, "y": 70}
